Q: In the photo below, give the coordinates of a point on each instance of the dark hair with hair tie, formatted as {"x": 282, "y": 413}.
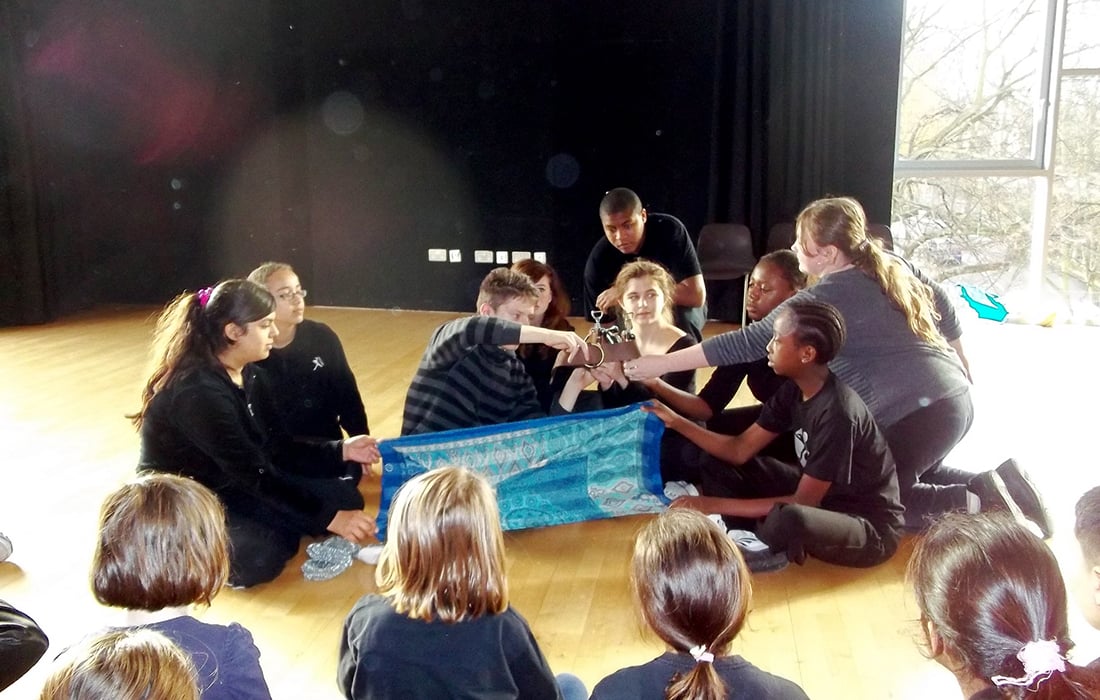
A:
{"x": 190, "y": 332}
{"x": 992, "y": 592}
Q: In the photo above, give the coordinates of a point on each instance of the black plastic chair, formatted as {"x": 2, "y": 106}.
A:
{"x": 725, "y": 253}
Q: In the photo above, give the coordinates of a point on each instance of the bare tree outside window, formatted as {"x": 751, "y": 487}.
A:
{"x": 971, "y": 152}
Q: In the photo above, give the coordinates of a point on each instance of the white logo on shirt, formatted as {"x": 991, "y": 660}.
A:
{"x": 801, "y": 446}
{"x": 318, "y": 363}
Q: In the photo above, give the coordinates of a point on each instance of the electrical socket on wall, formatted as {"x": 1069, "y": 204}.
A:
{"x": 518, "y": 255}
{"x": 483, "y": 256}
{"x": 454, "y": 255}
{"x": 437, "y": 255}
{"x": 540, "y": 256}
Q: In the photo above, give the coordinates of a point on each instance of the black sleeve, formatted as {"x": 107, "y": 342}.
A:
{"x": 348, "y": 400}
{"x": 528, "y": 666}
{"x": 778, "y": 413}
{"x": 22, "y": 644}
{"x": 210, "y": 421}
{"x": 722, "y": 386}
{"x": 686, "y": 259}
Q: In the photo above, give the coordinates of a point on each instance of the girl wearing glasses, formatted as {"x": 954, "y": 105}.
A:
{"x": 316, "y": 390}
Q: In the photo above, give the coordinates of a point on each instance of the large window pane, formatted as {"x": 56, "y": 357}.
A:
{"x": 970, "y": 79}
{"x": 1073, "y": 251}
{"x": 1082, "y": 50}
{"x": 966, "y": 230}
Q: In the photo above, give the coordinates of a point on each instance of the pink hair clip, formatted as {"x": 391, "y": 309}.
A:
{"x": 203, "y": 296}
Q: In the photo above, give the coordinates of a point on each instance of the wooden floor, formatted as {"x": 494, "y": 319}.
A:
{"x": 841, "y": 633}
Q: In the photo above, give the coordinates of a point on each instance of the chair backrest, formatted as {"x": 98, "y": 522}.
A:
{"x": 780, "y": 236}
{"x": 882, "y": 233}
{"x": 725, "y": 251}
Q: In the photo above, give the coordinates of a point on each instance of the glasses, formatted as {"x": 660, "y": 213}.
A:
{"x": 291, "y": 296}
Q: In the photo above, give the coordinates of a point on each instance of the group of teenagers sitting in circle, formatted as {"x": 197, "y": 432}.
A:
{"x": 864, "y": 390}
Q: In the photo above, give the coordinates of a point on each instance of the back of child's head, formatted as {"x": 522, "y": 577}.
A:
{"x": 693, "y": 590}
{"x": 993, "y": 600}
{"x": 124, "y": 664}
{"x": 502, "y": 285}
{"x": 162, "y": 543}
{"x": 444, "y": 553}
{"x": 818, "y": 325}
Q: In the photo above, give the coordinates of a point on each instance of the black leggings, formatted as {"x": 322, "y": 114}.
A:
{"x": 837, "y": 538}
{"x": 919, "y": 442}
{"x": 263, "y": 541}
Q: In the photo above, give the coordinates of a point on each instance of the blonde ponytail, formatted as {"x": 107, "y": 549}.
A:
{"x": 840, "y": 222}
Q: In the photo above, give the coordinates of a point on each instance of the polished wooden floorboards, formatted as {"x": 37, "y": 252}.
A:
{"x": 841, "y": 633}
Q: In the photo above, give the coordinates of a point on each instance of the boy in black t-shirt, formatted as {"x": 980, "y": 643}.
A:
{"x": 840, "y": 503}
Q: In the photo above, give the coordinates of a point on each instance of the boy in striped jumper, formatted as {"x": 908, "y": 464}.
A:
{"x": 470, "y": 375}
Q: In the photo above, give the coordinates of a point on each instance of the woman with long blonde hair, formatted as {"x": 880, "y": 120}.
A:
{"x": 904, "y": 357}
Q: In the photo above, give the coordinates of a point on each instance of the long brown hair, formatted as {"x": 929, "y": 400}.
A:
{"x": 693, "y": 590}
{"x": 840, "y": 222}
{"x": 556, "y": 312}
{"x": 444, "y": 556}
{"x": 190, "y": 332}
{"x": 560, "y": 305}
{"x": 990, "y": 587}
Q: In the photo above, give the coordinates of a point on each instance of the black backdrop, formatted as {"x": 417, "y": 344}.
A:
{"x": 150, "y": 146}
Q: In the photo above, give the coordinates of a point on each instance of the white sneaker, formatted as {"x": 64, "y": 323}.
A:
{"x": 747, "y": 541}
{"x": 369, "y": 554}
{"x": 5, "y": 547}
{"x": 675, "y": 489}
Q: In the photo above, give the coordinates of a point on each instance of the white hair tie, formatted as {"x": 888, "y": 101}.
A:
{"x": 702, "y": 656}
{"x": 1040, "y": 658}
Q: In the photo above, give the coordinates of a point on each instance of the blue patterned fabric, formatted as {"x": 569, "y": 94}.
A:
{"x": 549, "y": 471}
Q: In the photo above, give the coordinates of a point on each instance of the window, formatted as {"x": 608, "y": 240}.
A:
{"x": 991, "y": 187}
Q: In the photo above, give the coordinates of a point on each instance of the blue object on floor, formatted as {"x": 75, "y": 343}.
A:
{"x": 548, "y": 471}
{"x": 985, "y": 303}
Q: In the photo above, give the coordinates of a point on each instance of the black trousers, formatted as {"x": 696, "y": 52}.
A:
{"x": 800, "y": 531}
{"x": 919, "y": 442}
{"x": 262, "y": 541}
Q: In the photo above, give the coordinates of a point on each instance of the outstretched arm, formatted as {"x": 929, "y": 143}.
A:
{"x": 684, "y": 403}
{"x": 736, "y": 449}
{"x": 652, "y": 366}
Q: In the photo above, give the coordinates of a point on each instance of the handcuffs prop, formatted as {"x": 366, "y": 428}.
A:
{"x": 614, "y": 344}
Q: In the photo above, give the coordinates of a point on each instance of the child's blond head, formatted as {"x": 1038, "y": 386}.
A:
{"x": 444, "y": 556}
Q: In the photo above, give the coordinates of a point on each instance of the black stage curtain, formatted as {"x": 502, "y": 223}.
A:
{"x": 149, "y": 146}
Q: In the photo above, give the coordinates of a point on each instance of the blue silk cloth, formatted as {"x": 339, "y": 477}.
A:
{"x": 548, "y": 471}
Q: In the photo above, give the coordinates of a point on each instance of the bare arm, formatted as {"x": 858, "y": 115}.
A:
{"x": 653, "y": 366}
{"x": 690, "y": 292}
{"x": 682, "y": 402}
{"x": 736, "y": 449}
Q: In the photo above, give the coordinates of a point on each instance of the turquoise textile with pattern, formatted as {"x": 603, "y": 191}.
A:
{"x": 548, "y": 471}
